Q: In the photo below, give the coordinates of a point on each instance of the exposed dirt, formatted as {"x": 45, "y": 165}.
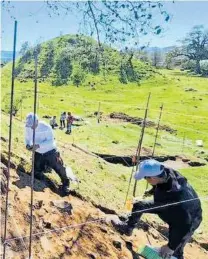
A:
{"x": 51, "y": 212}
{"x": 175, "y": 162}
{"x": 139, "y": 121}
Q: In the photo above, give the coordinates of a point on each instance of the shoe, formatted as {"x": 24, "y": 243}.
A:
{"x": 66, "y": 189}
{"x": 123, "y": 228}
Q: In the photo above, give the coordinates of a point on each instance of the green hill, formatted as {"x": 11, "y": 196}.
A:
{"x": 74, "y": 58}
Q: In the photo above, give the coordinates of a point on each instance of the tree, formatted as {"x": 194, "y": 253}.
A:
{"x": 63, "y": 68}
{"x": 204, "y": 67}
{"x": 78, "y": 76}
{"x": 194, "y": 46}
{"x": 122, "y": 75}
{"x": 47, "y": 61}
{"x": 143, "y": 56}
{"x": 168, "y": 60}
{"x": 24, "y": 48}
{"x": 112, "y": 21}
{"x": 156, "y": 58}
{"x": 127, "y": 72}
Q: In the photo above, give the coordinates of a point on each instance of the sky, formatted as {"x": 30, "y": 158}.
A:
{"x": 35, "y": 25}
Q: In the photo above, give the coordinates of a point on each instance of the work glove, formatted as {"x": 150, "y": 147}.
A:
{"x": 165, "y": 252}
{"x": 147, "y": 194}
{"x": 28, "y": 147}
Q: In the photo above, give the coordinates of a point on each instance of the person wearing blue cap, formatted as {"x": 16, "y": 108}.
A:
{"x": 169, "y": 187}
{"x": 46, "y": 153}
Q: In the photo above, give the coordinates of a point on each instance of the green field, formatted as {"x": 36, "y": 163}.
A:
{"x": 185, "y": 100}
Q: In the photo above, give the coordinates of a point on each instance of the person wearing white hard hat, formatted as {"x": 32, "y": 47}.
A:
{"x": 175, "y": 202}
{"x": 46, "y": 153}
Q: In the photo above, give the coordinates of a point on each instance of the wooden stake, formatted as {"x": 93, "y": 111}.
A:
{"x": 184, "y": 137}
{"x": 33, "y": 156}
{"x": 140, "y": 142}
{"x": 138, "y": 150}
{"x": 98, "y": 114}
{"x": 158, "y": 126}
{"x": 156, "y": 135}
{"x": 10, "y": 139}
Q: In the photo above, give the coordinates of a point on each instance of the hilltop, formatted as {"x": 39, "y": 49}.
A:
{"x": 74, "y": 58}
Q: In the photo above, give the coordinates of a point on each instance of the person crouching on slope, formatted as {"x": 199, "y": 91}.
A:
{"x": 45, "y": 150}
{"x": 169, "y": 186}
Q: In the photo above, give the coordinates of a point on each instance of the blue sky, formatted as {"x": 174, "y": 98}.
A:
{"x": 40, "y": 27}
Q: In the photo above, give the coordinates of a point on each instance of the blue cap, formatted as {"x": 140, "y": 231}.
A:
{"x": 148, "y": 168}
{"x": 30, "y": 119}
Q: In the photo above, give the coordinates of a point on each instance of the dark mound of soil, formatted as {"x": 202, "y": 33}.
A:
{"x": 139, "y": 121}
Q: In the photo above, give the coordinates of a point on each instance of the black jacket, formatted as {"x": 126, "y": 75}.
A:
{"x": 180, "y": 217}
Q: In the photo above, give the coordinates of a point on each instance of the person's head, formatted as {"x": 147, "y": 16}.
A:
{"x": 152, "y": 171}
{"x": 54, "y": 117}
{"x": 31, "y": 121}
{"x": 64, "y": 113}
{"x": 69, "y": 113}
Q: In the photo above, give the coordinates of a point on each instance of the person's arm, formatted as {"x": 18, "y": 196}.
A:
{"x": 150, "y": 206}
{"x": 149, "y": 192}
{"x": 141, "y": 207}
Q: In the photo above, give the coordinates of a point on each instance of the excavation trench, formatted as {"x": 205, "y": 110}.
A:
{"x": 176, "y": 162}
{"x": 139, "y": 121}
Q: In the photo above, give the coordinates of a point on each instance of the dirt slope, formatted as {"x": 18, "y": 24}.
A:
{"x": 92, "y": 240}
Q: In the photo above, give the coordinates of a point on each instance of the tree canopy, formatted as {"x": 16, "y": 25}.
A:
{"x": 117, "y": 22}
{"x": 194, "y": 46}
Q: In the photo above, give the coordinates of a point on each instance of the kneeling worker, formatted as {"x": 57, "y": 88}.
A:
{"x": 169, "y": 187}
{"x": 45, "y": 150}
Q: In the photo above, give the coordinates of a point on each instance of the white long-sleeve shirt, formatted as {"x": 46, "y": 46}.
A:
{"x": 43, "y": 137}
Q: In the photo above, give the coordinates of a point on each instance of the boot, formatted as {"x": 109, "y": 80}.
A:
{"x": 123, "y": 228}
{"x": 65, "y": 189}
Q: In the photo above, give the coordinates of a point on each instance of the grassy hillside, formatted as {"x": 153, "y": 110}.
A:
{"x": 185, "y": 110}
{"x": 73, "y": 58}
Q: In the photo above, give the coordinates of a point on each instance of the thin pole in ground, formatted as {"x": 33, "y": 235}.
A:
{"x": 98, "y": 113}
{"x": 157, "y": 130}
{"x": 156, "y": 135}
{"x": 138, "y": 150}
{"x": 33, "y": 156}
{"x": 140, "y": 142}
{"x": 10, "y": 138}
{"x": 21, "y": 104}
{"x": 183, "y": 143}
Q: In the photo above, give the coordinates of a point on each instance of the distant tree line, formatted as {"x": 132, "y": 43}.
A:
{"x": 192, "y": 55}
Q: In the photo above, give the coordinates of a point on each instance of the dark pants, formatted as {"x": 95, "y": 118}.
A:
{"x": 53, "y": 160}
{"x": 69, "y": 125}
{"x": 179, "y": 250}
{"x": 145, "y": 205}
{"x": 62, "y": 123}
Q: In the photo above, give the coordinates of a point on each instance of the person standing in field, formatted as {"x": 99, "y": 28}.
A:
{"x": 69, "y": 120}
{"x": 62, "y": 120}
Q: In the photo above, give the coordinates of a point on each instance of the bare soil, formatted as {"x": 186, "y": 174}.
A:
{"x": 139, "y": 121}
{"x": 51, "y": 212}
